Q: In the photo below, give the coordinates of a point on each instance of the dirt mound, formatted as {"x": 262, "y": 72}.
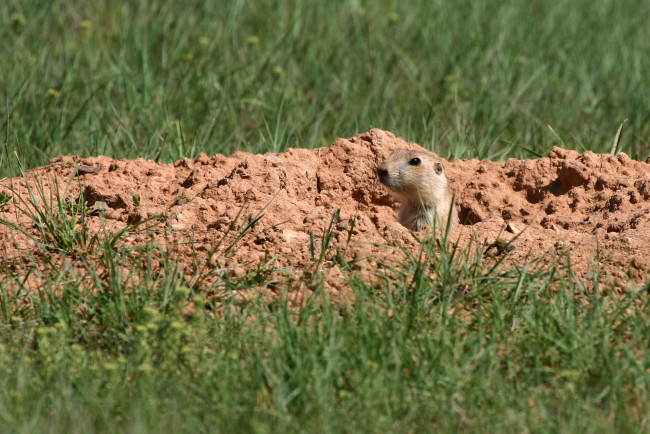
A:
{"x": 582, "y": 203}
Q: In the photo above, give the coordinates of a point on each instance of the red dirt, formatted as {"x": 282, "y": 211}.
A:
{"x": 591, "y": 205}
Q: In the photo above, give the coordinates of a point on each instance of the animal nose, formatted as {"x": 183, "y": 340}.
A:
{"x": 382, "y": 172}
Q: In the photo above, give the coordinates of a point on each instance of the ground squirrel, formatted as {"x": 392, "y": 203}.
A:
{"x": 418, "y": 181}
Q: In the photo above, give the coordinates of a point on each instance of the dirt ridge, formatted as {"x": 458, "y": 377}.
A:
{"x": 565, "y": 202}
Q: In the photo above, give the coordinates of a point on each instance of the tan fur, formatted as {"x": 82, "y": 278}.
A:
{"x": 423, "y": 190}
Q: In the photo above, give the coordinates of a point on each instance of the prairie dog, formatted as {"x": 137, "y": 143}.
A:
{"x": 417, "y": 180}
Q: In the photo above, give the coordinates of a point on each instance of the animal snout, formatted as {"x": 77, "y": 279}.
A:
{"x": 382, "y": 172}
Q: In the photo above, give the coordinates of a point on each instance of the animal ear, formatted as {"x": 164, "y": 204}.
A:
{"x": 437, "y": 167}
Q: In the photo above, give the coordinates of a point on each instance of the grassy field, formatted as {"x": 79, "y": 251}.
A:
{"x": 474, "y": 349}
{"x": 158, "y": 80}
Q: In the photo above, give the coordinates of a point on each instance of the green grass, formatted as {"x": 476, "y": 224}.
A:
{"x": 476, "y": 348}
{"x": 110, "y": 345}
{"x": 161, "y": 80}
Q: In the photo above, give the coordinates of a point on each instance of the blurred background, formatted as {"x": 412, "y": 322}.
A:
{"x": 165, "y": 79}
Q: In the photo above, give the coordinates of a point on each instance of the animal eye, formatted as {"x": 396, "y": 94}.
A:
{"x": 415, "y": 161}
